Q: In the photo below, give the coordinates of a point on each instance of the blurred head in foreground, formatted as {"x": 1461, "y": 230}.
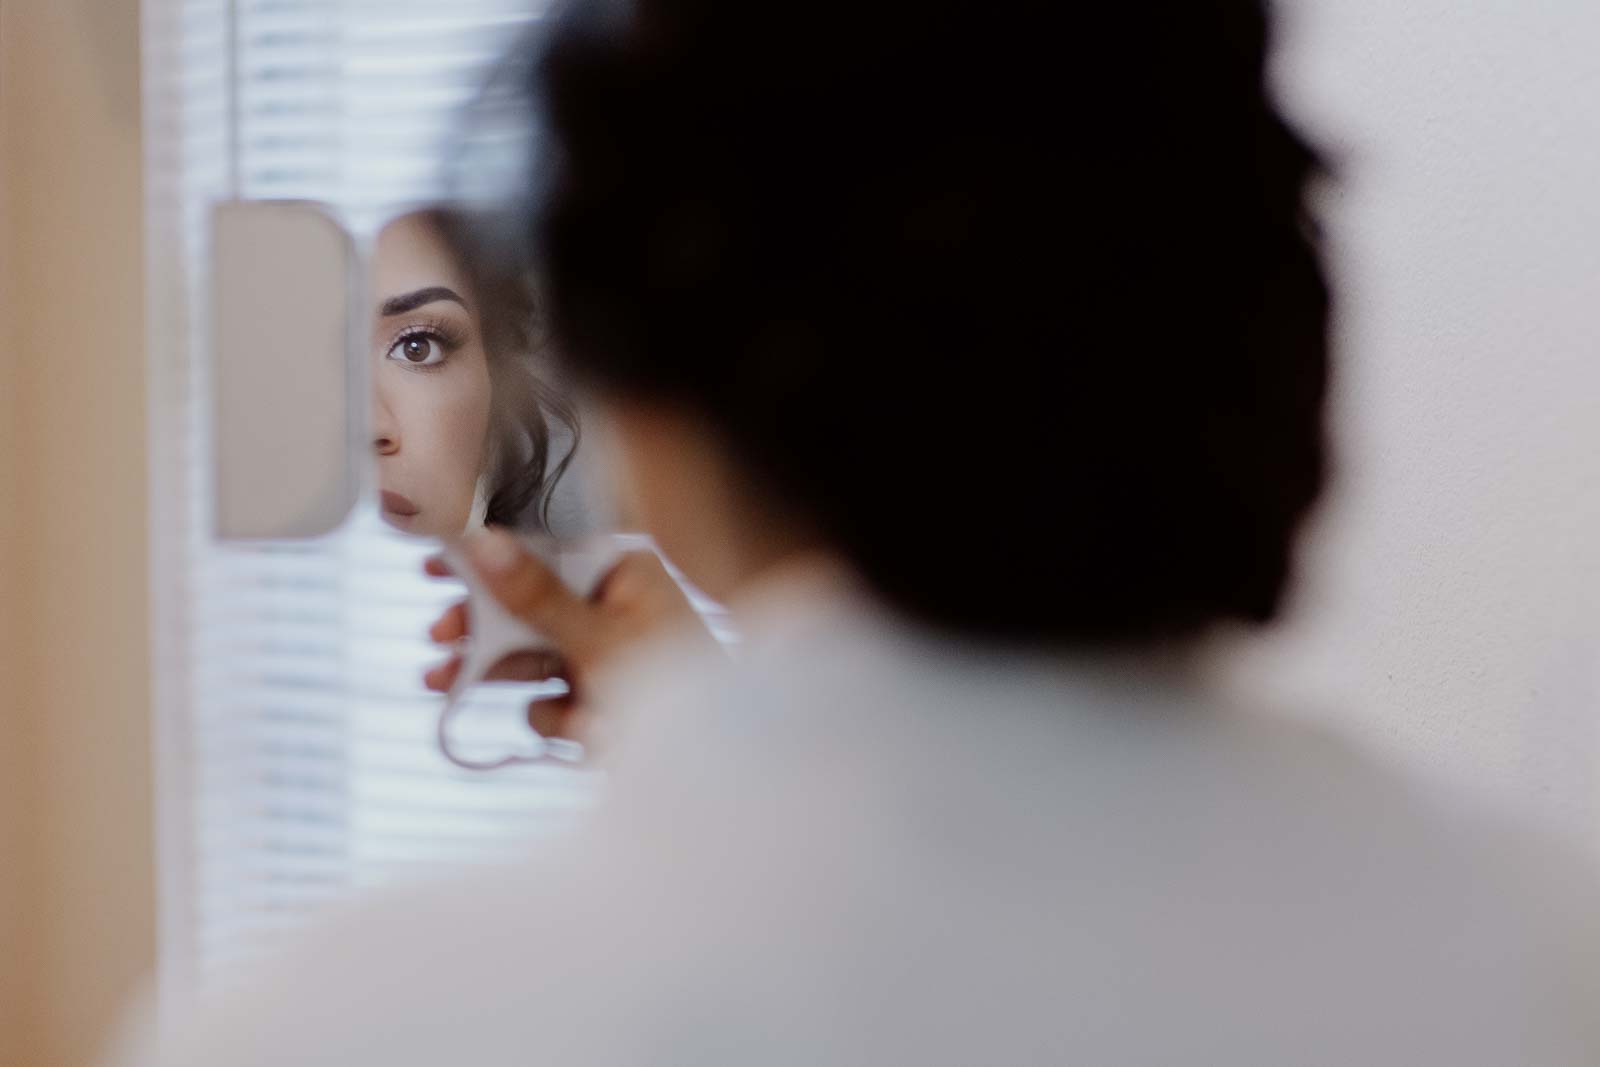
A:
{"x": 461, "y": 419}
{"x": 1027, "y": 327}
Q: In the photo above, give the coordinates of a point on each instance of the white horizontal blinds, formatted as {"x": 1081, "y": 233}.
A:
{"x": 186, "y": 134}
{"x": 297, "y": 758}
{"x": 270, "y": 737}
{"x": 410, "y": 67}
{"x": 269, "y": 745}
{"x": 248, "y": 837}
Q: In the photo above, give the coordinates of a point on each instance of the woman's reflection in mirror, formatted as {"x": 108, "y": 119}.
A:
{"x": 464, "y": 426}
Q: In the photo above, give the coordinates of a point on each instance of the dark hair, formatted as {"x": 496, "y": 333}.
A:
{"x": 526, "y": 410}
{"x": 1027, "y": 317}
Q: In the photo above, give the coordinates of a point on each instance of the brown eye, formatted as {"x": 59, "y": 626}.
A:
{"x": 418, "y": 350}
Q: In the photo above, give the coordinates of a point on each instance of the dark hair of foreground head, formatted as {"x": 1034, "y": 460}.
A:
{"x": 1027, "y": 317}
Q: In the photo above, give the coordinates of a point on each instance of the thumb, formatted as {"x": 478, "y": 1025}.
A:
{"x": 526, "y": 586}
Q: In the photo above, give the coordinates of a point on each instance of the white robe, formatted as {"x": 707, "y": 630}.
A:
{"x": 861, "y": 844}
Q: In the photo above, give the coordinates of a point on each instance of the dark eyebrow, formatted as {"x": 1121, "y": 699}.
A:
{"x": 399, "y": 305}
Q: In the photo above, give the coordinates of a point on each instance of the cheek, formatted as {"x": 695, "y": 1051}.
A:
{"x": 460, "y": 416}
{"x": 444, "y": 423}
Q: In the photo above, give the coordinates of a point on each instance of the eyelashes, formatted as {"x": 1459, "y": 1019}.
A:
{"x": 426, "y": 344}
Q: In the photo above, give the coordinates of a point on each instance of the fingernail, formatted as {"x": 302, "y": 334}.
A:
{"x": 494, "y": 553}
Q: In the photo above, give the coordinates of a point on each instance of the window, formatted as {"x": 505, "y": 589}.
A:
{"x": 295, "y": 755}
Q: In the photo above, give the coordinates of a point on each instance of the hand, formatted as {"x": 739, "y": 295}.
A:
{"x": 636, "y": 600}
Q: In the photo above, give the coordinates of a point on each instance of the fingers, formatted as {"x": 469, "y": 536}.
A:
{"x": 528, "y": 588}
{"x": 527, "y": 667}
{"x": 441, "y": 678}
{"x": 451, "y": 626}
{"x": 437, "y": 567}
{"x": 637, "y": 575}
{"x": 557, "y": 718}
{"x": 640, "y": 590}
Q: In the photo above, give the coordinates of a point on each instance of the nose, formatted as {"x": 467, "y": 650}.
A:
{"x": 385, "y": 427}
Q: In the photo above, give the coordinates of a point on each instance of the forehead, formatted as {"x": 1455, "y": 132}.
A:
{"x": 411, "y": 254}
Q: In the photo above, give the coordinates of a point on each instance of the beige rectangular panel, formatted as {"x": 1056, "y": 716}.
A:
{"x": 289, "y": 411}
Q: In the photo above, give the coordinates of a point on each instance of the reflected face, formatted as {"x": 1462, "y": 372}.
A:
{"x": 431, "y": 382}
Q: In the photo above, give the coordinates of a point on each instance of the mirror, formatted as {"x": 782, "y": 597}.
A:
{"x": 431, "y": 384}
{"x": 468, "y": 427}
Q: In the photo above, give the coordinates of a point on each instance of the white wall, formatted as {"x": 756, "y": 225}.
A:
{"x": 1450, "y": 612}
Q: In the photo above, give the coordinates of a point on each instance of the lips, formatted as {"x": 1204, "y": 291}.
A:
{"x": 397, "y": 506}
